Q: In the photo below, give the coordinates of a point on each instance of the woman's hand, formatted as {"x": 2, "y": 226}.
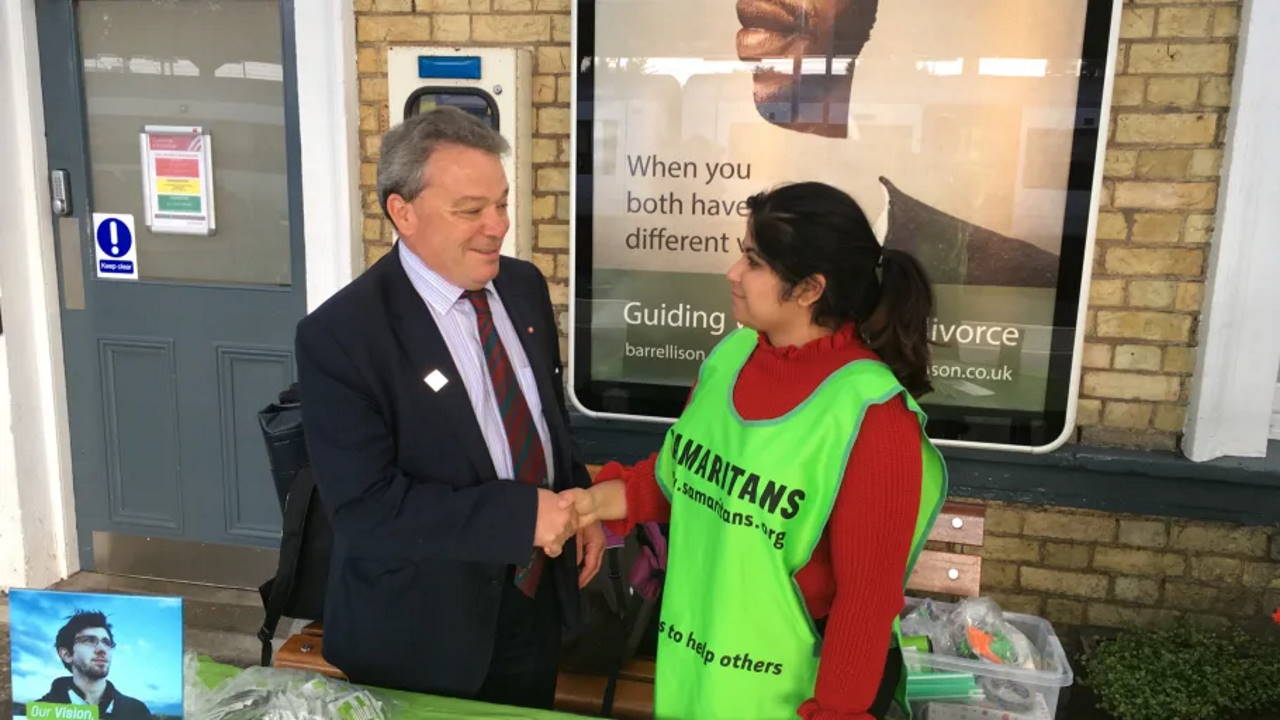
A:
{"x": 606, "y": 500}
{"x": 584, "y": 502}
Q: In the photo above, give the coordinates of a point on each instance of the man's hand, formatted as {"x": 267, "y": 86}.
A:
{"x": 590, "y": 552}
{"x": 556, "y": 523}
{"x": 583, "y": 501}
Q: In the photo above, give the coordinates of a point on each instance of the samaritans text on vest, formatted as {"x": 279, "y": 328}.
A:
{"x": 732, "y": 480}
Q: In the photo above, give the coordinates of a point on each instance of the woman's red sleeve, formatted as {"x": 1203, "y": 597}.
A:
{"x": 871, "y": 529}
{"x": 645, "y": 500}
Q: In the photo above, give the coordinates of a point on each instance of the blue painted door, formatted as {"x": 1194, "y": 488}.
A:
{"x": 166, "y": 372}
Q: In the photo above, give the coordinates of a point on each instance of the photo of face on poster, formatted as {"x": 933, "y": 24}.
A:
{"x": 81, "y": 655}
{"x": 952, "y": 124}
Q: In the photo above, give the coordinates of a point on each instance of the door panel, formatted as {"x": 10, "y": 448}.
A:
{"x": 245, "y": 376}
{"x": 165, "y": 375}
{"x": 141, "y": 437}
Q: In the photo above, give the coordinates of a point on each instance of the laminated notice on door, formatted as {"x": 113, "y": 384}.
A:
{"x": 177, "y": 178}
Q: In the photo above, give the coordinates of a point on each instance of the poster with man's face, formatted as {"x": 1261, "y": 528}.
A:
{"x": 966, "y": 130}
{"x": 84, "y": 656}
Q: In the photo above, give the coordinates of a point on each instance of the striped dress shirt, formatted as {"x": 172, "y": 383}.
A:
{"x": 456, "y": 320}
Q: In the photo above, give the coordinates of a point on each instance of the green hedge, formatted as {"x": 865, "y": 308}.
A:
{"x": 1186, "y": 672}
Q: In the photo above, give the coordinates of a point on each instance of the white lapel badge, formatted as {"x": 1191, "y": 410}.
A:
{"x": 435, "y": 380}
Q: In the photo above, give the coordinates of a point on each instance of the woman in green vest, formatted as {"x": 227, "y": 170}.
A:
{"x": 799, "y": 482}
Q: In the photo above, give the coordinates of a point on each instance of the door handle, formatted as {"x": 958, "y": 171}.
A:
{"x": 60, "y": 190}
{"x": 68, "y": 240}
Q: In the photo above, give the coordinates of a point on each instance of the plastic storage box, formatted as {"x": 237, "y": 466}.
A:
{"x": 997, "y": 692}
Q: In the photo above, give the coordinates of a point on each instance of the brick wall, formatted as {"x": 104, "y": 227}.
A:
{"x": 1171, "y": 97}
{"x": 539, "y": 25}
{"x": 1077, "y": 567}
{"x": 1172, "y": 92}
{"x": 1169, "y": 110}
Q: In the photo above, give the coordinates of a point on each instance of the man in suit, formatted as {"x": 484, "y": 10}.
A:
{"x": 437, "y": 428}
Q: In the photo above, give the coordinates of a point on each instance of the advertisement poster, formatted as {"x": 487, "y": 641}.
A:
{"x": 177, "y": 176}
{"x": 959, "y": 127}
{"x": 84, "y": 656}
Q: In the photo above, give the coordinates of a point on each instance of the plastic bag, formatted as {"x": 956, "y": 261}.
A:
{"x": 260, "y": 693}
{"x": 930, "y": 621}
{"x": 977, "y": 629}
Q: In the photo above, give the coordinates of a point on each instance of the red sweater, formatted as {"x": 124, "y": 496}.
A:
{"x": 855, "y": 576}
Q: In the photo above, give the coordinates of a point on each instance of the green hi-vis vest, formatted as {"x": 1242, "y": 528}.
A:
{"x": 749, "y": 502}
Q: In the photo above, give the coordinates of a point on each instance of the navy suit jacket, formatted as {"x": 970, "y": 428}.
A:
{"x": 424, "y": 530}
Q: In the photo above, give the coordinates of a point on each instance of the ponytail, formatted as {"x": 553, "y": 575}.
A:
{"x": 898, "y": 327}
{"x": 812, "y": 228}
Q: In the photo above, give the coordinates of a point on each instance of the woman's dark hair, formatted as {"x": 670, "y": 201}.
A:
{"x": 812, "y": 228}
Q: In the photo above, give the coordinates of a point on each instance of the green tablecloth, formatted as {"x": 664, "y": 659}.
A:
{"x": 401, "y": 705}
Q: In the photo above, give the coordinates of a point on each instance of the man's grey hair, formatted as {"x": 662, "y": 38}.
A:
{"x": 406, "y": 147}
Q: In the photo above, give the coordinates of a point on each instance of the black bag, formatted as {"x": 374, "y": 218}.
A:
{"x": 618, "y": 621}
{"x": 281, "y": 424}
{"x": 298, "y": 588}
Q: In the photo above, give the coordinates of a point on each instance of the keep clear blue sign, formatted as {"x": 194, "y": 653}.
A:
{"x": 117, "y": 254}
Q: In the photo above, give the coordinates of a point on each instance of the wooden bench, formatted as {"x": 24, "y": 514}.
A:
{"x": 943, "y": 568}
{"x": 632, "y": 695}
{"x": 303, "y": 651}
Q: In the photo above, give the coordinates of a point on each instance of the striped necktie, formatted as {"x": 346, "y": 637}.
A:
{"x": 528, "y": 461}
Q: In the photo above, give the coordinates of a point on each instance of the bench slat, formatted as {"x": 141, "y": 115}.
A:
{"x": 575, "y": 693}
{"x": 934, "y": 569}
{"x": 305, "y": 652}
{"x": 960, "y": 523}
{"x": 640, "y": 669}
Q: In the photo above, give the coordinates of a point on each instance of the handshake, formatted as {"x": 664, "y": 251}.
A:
{"x": 561, "y": 516}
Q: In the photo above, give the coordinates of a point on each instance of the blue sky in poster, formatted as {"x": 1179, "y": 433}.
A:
{"x": 146, "y": 664}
